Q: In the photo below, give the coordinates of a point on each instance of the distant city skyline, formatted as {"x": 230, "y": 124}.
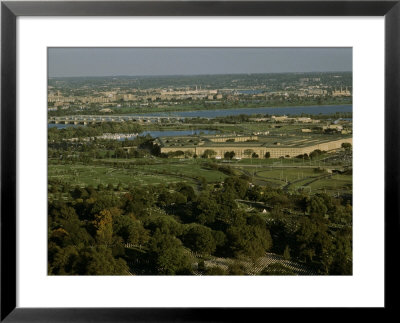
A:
{"x": 97, "y": 62}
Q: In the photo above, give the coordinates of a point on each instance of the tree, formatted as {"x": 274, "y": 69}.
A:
{"x": 315, "y": 153}
{"x": 187, "y": 191}
{"x": 313, "y": 241}
{"x": 199, "y": 238}
{"x": 165, "y": 224}
{"x": 267, "y": 154}
{"x": 99, "y": 261}
{"x": 342, "y": 259}
{"x": 248, "y": 152}
{"x": 346, "y": 145}
{"x": 249, "y": 240}
{"x": 205, "y": 209}
{"x": 317, "y": 206}
{"x": 85, "y": 261}
{"x": 209, "y": 153}
{"x": 167, "y": 198}
{"x": 167, "y": 255}
{"x": 254, "y": 193}
{"x": 103, "y": 226}
{"x": 238, "y": 185}
{"x": 229, "y": 154}
{"x": 130, "y": 230}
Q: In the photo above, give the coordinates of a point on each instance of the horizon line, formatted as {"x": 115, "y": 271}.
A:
{"x": 205, "y": 74}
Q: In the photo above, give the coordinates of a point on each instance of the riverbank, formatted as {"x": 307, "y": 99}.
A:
{"x": 283, "y": 110}
{"x": 223, "y": 106}
{"x": 201, "y": 107}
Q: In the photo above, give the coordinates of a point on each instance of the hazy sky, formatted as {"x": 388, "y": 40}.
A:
{"x": 184, "y": 61}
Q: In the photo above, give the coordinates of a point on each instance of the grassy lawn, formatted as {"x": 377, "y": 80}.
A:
{"x": 165, "y": 171}
{"x": 78, "y": 174}
{"x": 318, "y": 161}
{"x": 94, "y": 175}
{"x": 335, "y": 183}
{"x": 287, "y": 174}
{"x": 295, "y": 178}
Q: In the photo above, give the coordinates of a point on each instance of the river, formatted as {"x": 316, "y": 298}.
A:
{"x": 316, "y": 109}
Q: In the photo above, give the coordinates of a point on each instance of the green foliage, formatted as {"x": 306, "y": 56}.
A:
{"x": 103, "y": 224}
{"x": 93, "y": 130}
{"x": 317, "y": 206}
{"x": 314, "y": 154}
{"x": 254, "y": 193}
{"x": 236, "y": 184}
{"x": 99, "y": 261}
{"x": 95, "y": 231}
{"x": 167, "y": 198}
{"x": 130, "y": 230}
{"x": 187, "y": 191}
{"x": 85, "y": 261}
{"x": 342, "y": 263}
{"x": 249, "y": 240}
{"x": 346, "y": 145}
{"x": 167, "y": 255}
{"x": 206, "y": 209}
{"x": 229, "y": 154}
{"x": 164, "y": 224}
{"x": 209, "y": 153}
{"x": 200, "y": 239}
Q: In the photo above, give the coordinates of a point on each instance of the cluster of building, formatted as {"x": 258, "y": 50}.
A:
{"x": 341, "y": 92}
{"x": 102, "y": 97}
{"x": 285, "y": 119}
{"x": 118, "y": 96}
{"x": 115, "y": 97}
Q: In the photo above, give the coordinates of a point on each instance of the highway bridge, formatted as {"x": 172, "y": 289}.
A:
{"x": 92, "y": 119}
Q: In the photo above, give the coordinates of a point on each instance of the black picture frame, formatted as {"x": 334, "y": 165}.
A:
{"x": 10, "y": 10}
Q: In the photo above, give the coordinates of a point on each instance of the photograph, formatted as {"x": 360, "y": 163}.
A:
{"x": 200, "y": 161}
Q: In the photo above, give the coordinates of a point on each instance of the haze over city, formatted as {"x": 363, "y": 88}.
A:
{"x": 76, "y": 62}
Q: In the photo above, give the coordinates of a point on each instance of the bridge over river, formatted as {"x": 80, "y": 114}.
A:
{"x": 92, "y": 119}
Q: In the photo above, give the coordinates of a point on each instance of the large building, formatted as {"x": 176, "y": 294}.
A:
{"x": 277, "y": 147}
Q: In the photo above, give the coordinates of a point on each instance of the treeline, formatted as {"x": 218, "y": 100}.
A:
{"x": 86, "y": 151}
{"x": 91, "y": 228}
{"x": 93, "y": 130}
{"x": 241, "y": 118}
{"x": 274, "y": 81}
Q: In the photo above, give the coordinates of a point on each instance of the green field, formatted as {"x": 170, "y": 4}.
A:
{"x": 301, "y": 178}
{"x": 165, "y": 173}
{"x": 335, "y": 183}
{"x": 289, "y": 174}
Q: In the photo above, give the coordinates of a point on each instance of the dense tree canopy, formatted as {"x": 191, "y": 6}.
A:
{"x": 160, "y": 229}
